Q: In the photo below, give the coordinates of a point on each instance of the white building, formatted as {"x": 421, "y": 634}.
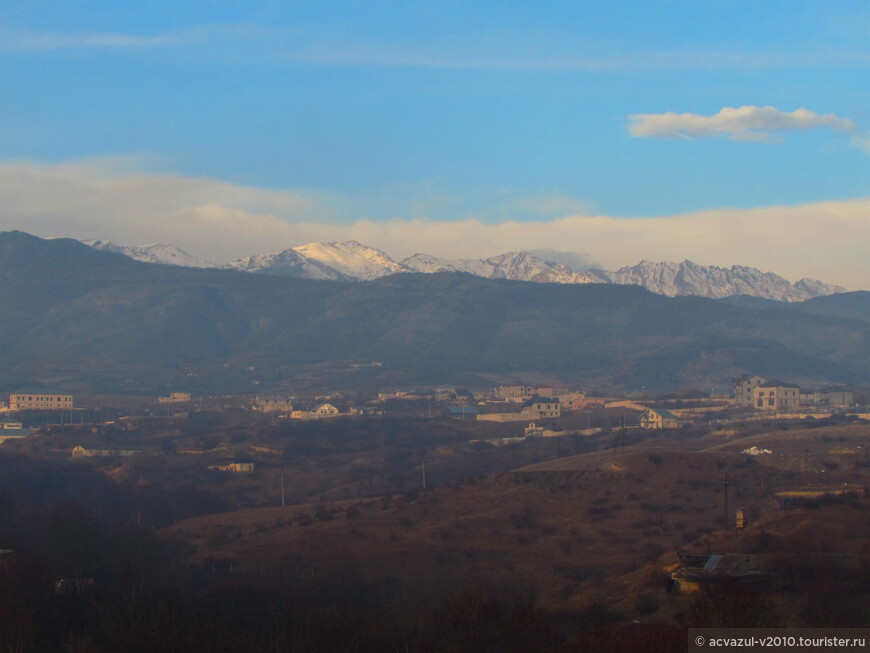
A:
{"x": 175, "y": 398}
{"x": 321, "y": 412}
{"x": 776, "y": 396}
{"x": 40, "y": 401}
{"x": 744, "y": 387}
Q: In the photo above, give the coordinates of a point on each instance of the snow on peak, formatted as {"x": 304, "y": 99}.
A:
{"x": 428, "y": 264}
{"x": 287, "y": 263}
{"x": 162, "y": 253}
{"x": 352, "y": 259}
{"x": 527, "y": 267}
{"x": 520, "y": 266}
{"x": 688, "y": 278}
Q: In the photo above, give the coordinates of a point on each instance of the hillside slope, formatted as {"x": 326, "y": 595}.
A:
{"x": 76, "y": 317}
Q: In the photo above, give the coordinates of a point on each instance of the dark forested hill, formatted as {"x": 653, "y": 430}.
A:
{"x": 852, "y": 304}
{"x": 77, "y": 318}
{"x": 848, "y": 304}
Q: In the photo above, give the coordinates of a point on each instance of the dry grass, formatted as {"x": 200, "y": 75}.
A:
{"x": 567, "y": 526}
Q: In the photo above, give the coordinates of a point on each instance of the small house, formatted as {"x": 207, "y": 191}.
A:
{"x": 658, "y": 418}
{"x": 533, "y": 431}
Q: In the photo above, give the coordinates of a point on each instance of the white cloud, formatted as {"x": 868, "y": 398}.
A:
{"x": 22, "y": 40}
{"x": 746, "y": 123}
{"x": 222, "y": 221}
{"x": 509, "y": 51}
{"x": 90, "y": 199}
{"x": 509, "y": 57}
{"x": 51, "y": 41}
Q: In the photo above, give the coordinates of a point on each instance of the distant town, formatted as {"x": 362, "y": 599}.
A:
{"x": 545, "y": 409}
{"x": 664, "y": 511}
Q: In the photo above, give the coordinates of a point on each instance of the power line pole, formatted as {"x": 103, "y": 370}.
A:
{"x": 619, "y": 439}
{"x": 726, "y": 484}
{"x": 622, "y": 435}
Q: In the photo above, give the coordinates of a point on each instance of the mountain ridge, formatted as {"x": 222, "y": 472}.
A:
{"x": 353, "y": 261}
{"x": 163, "y": 253}
{"x": 75, "y": 317}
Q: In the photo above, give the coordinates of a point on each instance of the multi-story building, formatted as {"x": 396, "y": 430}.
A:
{"x": 744, "y": 387}
{"x": 175, "y": 398}
{"x": 777, "y": 396}
{"x": 542, "y": 408}
{"x": 514, "y": 392}
{"x": 40, "y": 401}
{"x": 551, "y": 391}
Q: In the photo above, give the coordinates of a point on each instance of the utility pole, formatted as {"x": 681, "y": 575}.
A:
{"x": 424, "y": 474}
{"x": 622, "y": 435}
{"x": 620, "y": 438}
{"x": 282, "y": 487}
{"x": 726, "y": 484}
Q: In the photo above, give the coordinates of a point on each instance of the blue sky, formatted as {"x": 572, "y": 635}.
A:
{"x": 262, "y": 124}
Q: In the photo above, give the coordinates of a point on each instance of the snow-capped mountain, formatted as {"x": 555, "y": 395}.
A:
{"x": 520, "y": 266}
{"x": 287, "y": 263}
{"x": 815, "y": 288}
{"x": 353, "y": 261}
{"x": 155, "y": 253}
{"x": 687, "y": 278}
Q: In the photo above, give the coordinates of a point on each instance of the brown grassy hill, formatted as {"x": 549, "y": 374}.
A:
{"x": 565, "y": 526}
{"x": 822, "y": 450}
{"x": 822, "y": 560}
